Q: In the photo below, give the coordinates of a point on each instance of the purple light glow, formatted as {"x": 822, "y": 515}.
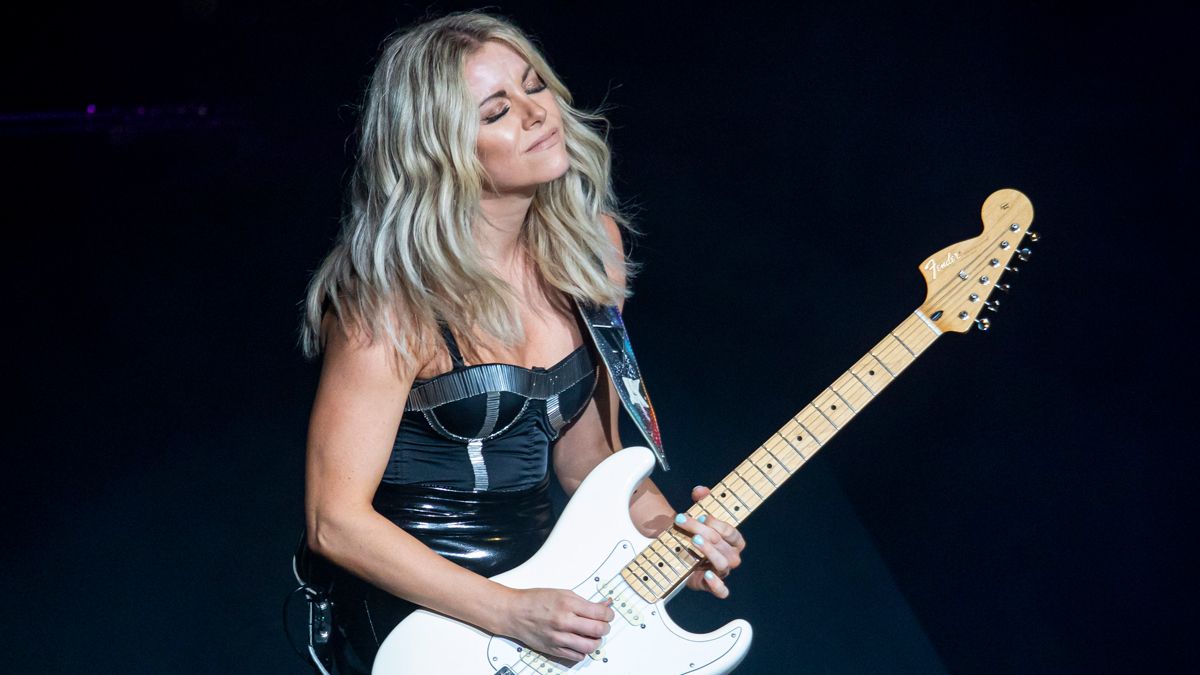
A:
{"x": 91, "y": 109}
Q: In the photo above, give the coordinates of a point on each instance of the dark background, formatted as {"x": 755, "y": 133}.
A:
{"x": 1019, "y": 502}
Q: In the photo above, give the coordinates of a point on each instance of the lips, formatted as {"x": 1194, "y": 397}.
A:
{"x": 544, "y": 142}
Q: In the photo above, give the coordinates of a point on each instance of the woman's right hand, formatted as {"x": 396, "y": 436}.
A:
{"x": 558, "y": 623}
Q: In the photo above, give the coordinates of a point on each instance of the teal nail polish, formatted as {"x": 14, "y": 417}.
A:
{"x": 709, "y": 574}
{"x": 703, "y": 517}
{"x": 698, "y": 540}
{"x": 680, "y": 519}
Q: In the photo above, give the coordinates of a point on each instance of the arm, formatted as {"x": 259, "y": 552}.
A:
{"x": 359, "y": 403}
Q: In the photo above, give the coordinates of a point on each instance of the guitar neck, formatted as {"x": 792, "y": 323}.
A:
{"x": 670, "y": 558}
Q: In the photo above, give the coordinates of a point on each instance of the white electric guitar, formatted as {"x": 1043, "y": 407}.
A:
{"x": 596, "y": 551}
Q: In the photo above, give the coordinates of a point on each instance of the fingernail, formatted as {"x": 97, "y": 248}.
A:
{"x": 698, "y": 540}
{"x": 680, "y": 519}
{"x": 698, "y": 487}
{"x": 709, "y": 575}
{"x": 703, "y": 517}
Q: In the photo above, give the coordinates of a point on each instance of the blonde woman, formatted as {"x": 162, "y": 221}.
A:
{"x": 456, "y": 374}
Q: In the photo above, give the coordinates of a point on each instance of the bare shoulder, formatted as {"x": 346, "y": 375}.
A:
{"x": 353, "y": 353}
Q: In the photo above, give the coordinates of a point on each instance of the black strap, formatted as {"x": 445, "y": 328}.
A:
{"x": 452, "y": 346}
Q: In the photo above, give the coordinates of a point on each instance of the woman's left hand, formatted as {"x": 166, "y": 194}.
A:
{"x": 721, "y": 544}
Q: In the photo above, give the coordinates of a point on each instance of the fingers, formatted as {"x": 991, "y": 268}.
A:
{"x": 599, "y": 611}
{"x": 707, "y": 581}
{"x": 587, "y": 623}
{"x": 715, "y": 584}
{"x": 565, "y": 625}
{"x": 575, "y": 647}
{"x": 728, "y": 533}
{"x": 717, "y": 541}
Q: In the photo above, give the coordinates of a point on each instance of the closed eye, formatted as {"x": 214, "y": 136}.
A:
{"x": 536, "y": 88}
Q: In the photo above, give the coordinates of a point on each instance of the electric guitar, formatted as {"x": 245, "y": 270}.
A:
{"x": 595, "y": 550}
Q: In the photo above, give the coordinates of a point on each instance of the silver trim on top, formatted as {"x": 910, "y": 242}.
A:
{"x": 475, "y": 452}
{"x": 475, "y": 380}
{"x": 554, "y": 413}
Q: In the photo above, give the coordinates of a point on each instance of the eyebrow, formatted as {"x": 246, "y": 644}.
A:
{"x": 502, "y": 92}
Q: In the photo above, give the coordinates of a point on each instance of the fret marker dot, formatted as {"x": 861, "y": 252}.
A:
{"x": 769, "y": 466}
{"x": 833, "y": 406}
{"x": 870, "y": 372}
{"x": 722, "y": 495}
{"x": 736, "y": 508}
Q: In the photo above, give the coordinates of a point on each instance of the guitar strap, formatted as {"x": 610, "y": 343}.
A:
{"x": 612, "y": 343}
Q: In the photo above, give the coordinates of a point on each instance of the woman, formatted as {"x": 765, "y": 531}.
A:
{"x": 481, "y": 213}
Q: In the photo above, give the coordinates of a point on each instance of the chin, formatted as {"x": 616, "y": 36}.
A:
{"x": 551, "y": 173}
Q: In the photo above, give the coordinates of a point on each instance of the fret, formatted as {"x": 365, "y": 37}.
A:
{"x": 752, "y": 501}
{"x": 724, "y": 495}
{"x": 728, "y": 517}
{"x": 676, "y": 547}
{"x": 809, "y": 445}
{"x": 635, "y": 582}
{"x": 833, "y": 424}
{"x": 870, "y": 369}
{"x": 864, "y": 384}
{"x": 793, "y": 448}
{"x": 769, "y": 464}
{"x": 817, "y": 425}
{"x": 895, "y": 354}
{"x": 884, "y": 365}
{"x": 674, "y": 562}
{"x": 838, "y": 414}
{"x": 848, "y": 404}
{"x": 651, "y": 572}
{"x": 853, "y": 390}
{"x": 809, "y": 434}
{"x": 910, "y": 352}
{"x": 764, "y": 481}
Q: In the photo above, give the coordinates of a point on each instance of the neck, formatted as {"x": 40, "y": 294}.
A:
{"x": 498, "y": 227}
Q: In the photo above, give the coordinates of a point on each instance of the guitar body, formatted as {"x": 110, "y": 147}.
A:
{"x": 590, "y": 545}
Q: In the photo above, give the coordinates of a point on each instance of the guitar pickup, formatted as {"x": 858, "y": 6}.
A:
{"x": 540, "y": 664}
{"x": 625, "y": 602}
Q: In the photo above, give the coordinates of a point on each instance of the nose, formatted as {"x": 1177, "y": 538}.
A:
{"x": 533, "y": 114}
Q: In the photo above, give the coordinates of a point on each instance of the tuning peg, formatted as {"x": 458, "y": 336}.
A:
{"x": 1024, "y": 253}
{"x": 993, "y": 305}
{"x": 1003, "y": 287}
{"x": 1033, "y": 236}
{"x": 1014, "y": 270}
{"x": 983, "y": 324}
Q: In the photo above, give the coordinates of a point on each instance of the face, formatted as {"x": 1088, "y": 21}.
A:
{"x": 520, "y": 126}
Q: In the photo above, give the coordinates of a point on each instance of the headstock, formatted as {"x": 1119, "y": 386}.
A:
{"x": 961, "y": 278}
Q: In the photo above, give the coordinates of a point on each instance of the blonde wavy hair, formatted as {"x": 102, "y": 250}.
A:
{"x": 406, "y": 256}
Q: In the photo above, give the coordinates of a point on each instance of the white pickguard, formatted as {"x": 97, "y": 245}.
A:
{"x": 593, "y": 540}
